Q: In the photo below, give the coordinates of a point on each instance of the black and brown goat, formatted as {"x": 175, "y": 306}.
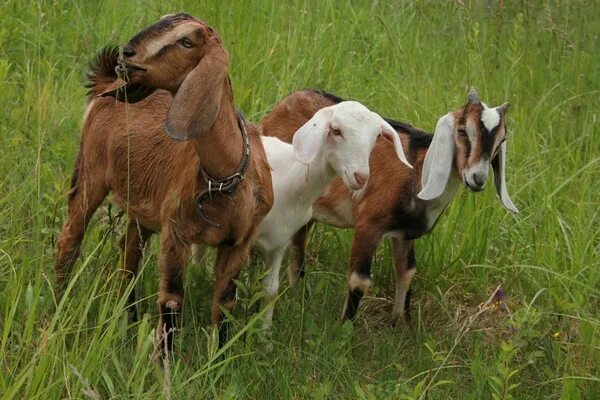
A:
{"x": 399, "y": 202}
{"x": 211, "y": 186}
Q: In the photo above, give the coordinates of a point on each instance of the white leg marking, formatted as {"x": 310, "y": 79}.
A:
{"x": 357, "y": 281}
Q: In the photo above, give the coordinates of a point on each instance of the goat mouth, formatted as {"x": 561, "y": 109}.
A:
{"x": 473, "y": 188}
{"x": 124, "y": 71}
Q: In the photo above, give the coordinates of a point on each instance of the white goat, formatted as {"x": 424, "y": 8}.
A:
{"x": 337, "y": 140}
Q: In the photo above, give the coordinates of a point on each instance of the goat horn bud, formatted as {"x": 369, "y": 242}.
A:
{"x": 473, "y": 96}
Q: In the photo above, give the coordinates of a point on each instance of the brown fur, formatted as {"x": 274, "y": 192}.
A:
{"x": 389, "y": 204}
{"x": 124, "y": 150}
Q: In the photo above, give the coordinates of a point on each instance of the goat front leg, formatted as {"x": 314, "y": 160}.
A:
{"x": 296, "y": 269}
{"x": 404, "y": 271}
{"x": 230, "y": 260}
{"x": 271, "y": 285}
{"x": 364, "y": 245}
{"x": 132, "y": 245}
{"x": 172, "y": 259}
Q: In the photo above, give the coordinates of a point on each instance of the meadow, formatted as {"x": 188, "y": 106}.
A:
{"x": 408, "y": 60}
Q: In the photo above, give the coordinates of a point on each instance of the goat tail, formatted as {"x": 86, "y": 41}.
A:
{"x": 102, "y": 71}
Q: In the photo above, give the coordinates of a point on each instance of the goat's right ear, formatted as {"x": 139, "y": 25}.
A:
{"x": 307, "y": 140}
{"x": 197, "y": 102}
{"x": 127, "y": 92}
{"x": 438, "y": 160}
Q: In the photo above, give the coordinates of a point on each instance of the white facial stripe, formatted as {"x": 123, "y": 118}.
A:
{"x": 490, "y": 118}
{"x": 480, "y": 168}
{"x": 169, "y": 37}
{"x": 471, "y": 132}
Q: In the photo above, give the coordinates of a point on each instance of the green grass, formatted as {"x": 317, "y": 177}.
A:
{"x": 408, "y": 60}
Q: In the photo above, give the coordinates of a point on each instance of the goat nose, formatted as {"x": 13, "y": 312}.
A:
{"x": 128, "y": 51}
{"x": 361, "y": 178}
{"x": 479, "y": 179}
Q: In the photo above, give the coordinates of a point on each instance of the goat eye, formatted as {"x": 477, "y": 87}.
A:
{"x": 187, "y": 43}
{"x": 462, "y": 131}
{"x": 336, "y": 132}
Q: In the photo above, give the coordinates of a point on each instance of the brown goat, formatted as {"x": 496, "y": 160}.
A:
{"x": 183, "y": 189}
{"x": 399, "y": 202}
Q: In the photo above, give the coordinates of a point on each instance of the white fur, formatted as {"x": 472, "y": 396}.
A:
{"x": 481, "y": 169}
{"x": 439, "y": 159}
{"x": 357, "y": 281}
{"x": 302, "y": 171}
{"x": 435, "y": 207}
{"x": 87, "y": 111}
{"x": 490, "y": 117}
{"x": 170, "y": 37}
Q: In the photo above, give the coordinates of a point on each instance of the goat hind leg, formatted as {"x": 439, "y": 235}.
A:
{"x": 296, "y": 269}
{"x": 404, "y": 271}
{"x": 84, "y": 199}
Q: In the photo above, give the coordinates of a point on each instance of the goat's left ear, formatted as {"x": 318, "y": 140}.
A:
{"x": 499, "y": 168}
{"x": 308, "y": 139}
{"x": 388, "y": 132}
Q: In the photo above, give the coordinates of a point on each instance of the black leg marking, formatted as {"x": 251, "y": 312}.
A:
{"x": 354, "y": 297}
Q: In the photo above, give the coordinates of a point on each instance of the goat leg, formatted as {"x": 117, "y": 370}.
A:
{"x": 170, "y": 296}
{"x": 132, "y": 245}
{"x": 404, "y": 271}
{"x": 271, "y": 285}
{"x": 230, "y": 260}
{"x": 364, "y": 245}
{"x": 84, "y": 198}
{"x": 296, "y": 267}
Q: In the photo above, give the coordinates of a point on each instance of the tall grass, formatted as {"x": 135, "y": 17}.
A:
{"x": 411, "y": 60}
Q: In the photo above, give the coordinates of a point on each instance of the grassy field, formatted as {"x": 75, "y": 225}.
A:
{"x": 410, "y": 60}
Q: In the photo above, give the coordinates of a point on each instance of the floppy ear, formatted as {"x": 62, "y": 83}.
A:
{"x": 197, "y": 102}
{"x": 499, "y": 167}
{"x": 388, "y": 132}
{"x": 438, "y": 160}
{"x": 307, "y": 140}
{"x": 127, "y": 92}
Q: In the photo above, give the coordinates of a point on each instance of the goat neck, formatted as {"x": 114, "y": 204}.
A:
{"x": 314, "y": 176}
{"x": 220, "y": 148}
{"x": 436, "y": 206}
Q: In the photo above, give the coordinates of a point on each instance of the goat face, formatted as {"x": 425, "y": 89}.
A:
{"x": 162, "y": 55}
{"x": 345, "y": 133}
{"x": 480, "y": 131}
{"x": 469, "y": 139}
{"x": 181, "y": 54}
